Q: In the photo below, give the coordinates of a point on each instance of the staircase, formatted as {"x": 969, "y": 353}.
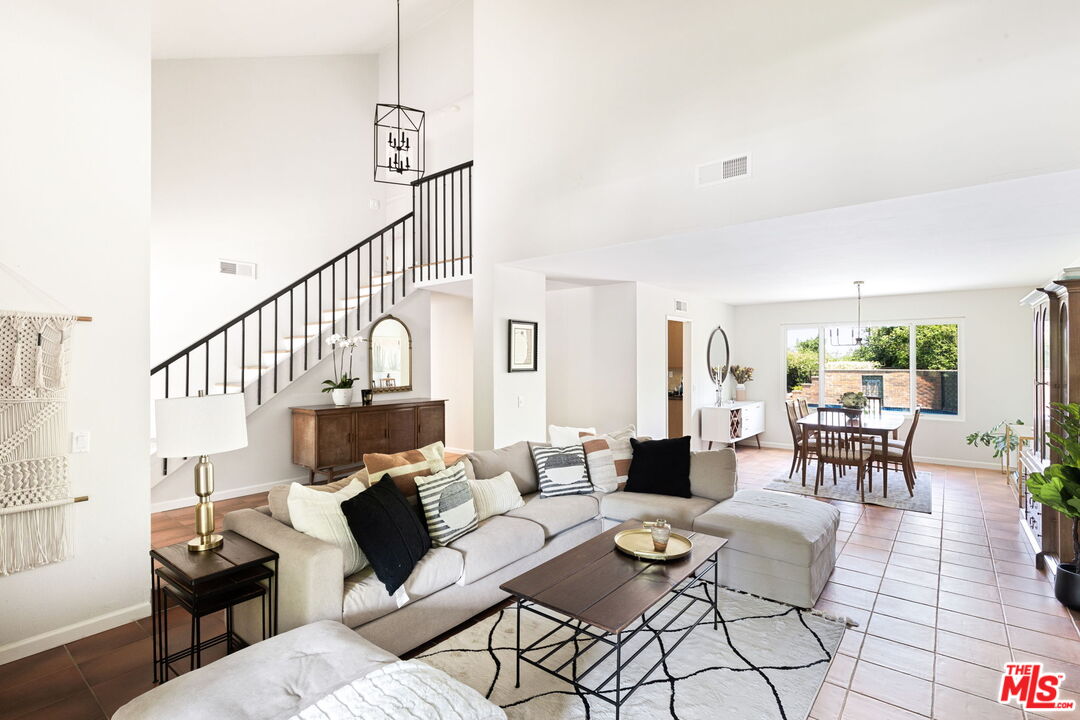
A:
{"x": 261, "y": 351}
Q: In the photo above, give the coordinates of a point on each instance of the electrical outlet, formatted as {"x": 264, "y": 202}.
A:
{"x": 521, "y": 401}
{"x": 80, "y": 441}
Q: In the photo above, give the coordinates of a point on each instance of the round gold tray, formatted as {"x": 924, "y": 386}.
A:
{"x": 639, "y": 544}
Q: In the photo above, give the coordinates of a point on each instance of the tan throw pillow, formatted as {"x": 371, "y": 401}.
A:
{"x": 405, "y": 467}
{"x": 495, "y": 496}
{"x": 621, "y": 453}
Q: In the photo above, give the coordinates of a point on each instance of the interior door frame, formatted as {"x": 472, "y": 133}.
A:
{"x": 688, "y": 370}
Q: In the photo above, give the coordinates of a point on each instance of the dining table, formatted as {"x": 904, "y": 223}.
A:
{"x": 879, "y": 424}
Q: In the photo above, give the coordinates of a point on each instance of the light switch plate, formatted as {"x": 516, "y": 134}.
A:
{"x": 80, "y": 441}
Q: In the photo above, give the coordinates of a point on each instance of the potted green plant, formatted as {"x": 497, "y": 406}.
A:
{"x": 995, "y": 438}
{"x": 1058, "y": 487}
{"x": 341, "y": 386}
{"x": 742, "y": 374}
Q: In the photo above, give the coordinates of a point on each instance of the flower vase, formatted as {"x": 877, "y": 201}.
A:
{"x": 740, "y": 391}
{"x": 342, "y": 396}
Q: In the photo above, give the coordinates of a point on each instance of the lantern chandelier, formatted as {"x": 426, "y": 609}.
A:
{"x": 852, "y": 336}
{"x": 399, "y": 135}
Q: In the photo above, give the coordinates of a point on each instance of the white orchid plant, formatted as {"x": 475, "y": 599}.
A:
{"x": 343, "y": 349}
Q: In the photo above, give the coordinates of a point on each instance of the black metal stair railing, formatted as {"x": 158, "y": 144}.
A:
{"x": 432, "y": 242}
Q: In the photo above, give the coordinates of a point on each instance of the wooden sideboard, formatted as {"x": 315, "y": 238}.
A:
{"x": 329, "y": 440}
{"x": 732, "y": 422}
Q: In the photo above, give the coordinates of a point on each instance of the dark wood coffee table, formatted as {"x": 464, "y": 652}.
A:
{"x": 602, "y": 592}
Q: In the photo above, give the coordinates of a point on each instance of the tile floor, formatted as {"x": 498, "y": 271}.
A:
{"x": 942, "y": 601}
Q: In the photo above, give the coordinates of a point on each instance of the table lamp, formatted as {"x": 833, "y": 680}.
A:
{"x": 201, "y": 426}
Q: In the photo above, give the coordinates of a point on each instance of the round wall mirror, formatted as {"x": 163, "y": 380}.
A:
{"x": 718, "y": 356}
{"x": 390, "y": 356}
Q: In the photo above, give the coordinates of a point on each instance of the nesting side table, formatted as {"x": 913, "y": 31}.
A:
{"x": 204, "y": 583}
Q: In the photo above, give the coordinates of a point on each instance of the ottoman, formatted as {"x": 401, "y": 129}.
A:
{"x": 779, "y": 546}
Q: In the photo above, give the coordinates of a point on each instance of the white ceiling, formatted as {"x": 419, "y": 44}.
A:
{"x": 1006, "y": 234}
{"x": 268, "y": 28}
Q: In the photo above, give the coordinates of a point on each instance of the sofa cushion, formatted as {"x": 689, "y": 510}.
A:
{"x": 278, "y": 497}
{"x": 496, "y": 543}
{"x": 388, "y": 530}
{"x": 515, "y": 459}
{"x": 556, "y": 514}
{"x": 660, "y": 466}
{"x": 447, "y": 501}
{"x": 780, "y": 526}
{"x": 270, "y": 679}
{"x": 405, "y": 467}
{"x": 713, "y": 474}
{"x": 366, "y": 598}
{"x": 680, "y": 512}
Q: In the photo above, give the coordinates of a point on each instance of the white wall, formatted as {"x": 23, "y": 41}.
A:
{"x": 592, "y": 356}
{"x": 452, "y": 363}
{"x": 594, "y": 139}
{"x": 996, "y": 364}
{"x": 267, "y": 460}
{"x": 607, "y": 356}
{"x": 74, "y": 221}
{"x": 260, "y": 159}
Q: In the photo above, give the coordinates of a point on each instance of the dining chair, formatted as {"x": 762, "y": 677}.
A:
{"x": 804, "y": 408}
{"x": 898, "y": 453}
{"x": 798, "y": 437}
{"x": 839, "y": 442}
{"x": 874, "y": 404}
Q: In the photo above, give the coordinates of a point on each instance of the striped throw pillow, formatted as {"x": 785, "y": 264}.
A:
{"x": 495, "y": 496}
{"x": 621, "y": 453}
{"x": 448, "y": 505}
{"x": 562, "y": 470}
{"x": 405, "y": 467}
{"x": 601, "y": 464}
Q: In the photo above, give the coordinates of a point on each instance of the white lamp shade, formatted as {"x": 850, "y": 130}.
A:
{"x": 200, "y": 425}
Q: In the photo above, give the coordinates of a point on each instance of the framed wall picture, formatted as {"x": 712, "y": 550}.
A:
{"x": 522, "y": 356}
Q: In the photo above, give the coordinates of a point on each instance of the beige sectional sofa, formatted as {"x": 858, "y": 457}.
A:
{"x": 781, "y": 546}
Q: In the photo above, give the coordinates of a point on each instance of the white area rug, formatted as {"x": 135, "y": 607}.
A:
{"x": 766, "y": 661}
{"x": 845, "y": 489}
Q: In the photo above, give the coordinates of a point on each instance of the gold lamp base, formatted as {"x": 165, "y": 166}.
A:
{"x": 204, "y": 509}
{"x": 205, "y": 542}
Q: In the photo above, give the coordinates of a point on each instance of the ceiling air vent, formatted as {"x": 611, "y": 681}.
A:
{"x": 238, "y": 268}
{"x": 724, "y": 170}
{"x": 681, "y": 306}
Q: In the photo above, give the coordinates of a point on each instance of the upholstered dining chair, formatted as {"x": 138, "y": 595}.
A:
{"x": 798, "y": 437}
{"x": 898, "y": 453}
{"x": 839, "y": 442}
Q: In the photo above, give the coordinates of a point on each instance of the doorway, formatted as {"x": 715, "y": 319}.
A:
{"x": 677, "y": 387}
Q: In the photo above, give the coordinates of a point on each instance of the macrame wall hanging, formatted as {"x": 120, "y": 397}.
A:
{"x": 35, "y": 497}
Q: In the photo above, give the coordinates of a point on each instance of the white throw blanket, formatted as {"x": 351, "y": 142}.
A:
{"x": 405, "y": 690}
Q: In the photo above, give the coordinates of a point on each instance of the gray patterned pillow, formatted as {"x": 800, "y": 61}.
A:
{"x": 447, "y": 500}
{"x": 562, "y": 470}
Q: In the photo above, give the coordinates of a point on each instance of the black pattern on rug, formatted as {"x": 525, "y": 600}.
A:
{"x": 770, "y": 657}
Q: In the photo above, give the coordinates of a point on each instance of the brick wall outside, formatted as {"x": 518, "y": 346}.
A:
{"x": 934, "y": 389}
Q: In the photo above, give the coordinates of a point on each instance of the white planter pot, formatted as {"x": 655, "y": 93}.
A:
{"x": 342, "y": 396}
{"x": 740, "y": 392}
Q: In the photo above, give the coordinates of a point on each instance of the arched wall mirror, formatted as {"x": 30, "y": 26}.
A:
{"x": 389, "y": 356}
{"x": 718, "y": 356}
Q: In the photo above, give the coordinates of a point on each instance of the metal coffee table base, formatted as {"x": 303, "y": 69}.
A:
{"x": 611, "y": 688}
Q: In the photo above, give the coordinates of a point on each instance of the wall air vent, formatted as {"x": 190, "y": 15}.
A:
{"x": 681, "y": 306}
{"x": 723, "y": 170}
{"x": 238, "y": 268}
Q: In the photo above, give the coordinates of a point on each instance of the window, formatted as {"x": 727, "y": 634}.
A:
{"x": 821, "y": 366}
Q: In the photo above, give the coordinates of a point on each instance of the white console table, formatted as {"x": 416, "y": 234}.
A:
{"x": 732, "y": 422}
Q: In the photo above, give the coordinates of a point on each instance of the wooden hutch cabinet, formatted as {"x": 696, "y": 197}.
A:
{"x": 1057, "y": 379}
{"x": 331, "y": 441}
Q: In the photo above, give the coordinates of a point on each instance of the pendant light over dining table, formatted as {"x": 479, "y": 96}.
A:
{"x": 399, "y": 135}
{"x": 851, "y": 336}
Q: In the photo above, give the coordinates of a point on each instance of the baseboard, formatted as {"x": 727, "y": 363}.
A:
{"x": 70, "y": 633}
{"x": 226, "y": 494}
{"x": 977, "y": 464}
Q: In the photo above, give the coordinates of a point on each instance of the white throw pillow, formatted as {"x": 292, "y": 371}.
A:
{"x": 319, "y": 515}
{"x": 560, "y": 436}
{"x": 495, "y": 496}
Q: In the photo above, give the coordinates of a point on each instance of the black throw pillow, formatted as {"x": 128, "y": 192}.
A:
{"x": 659, "y": 466}
{"x": 388, "y": 530}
